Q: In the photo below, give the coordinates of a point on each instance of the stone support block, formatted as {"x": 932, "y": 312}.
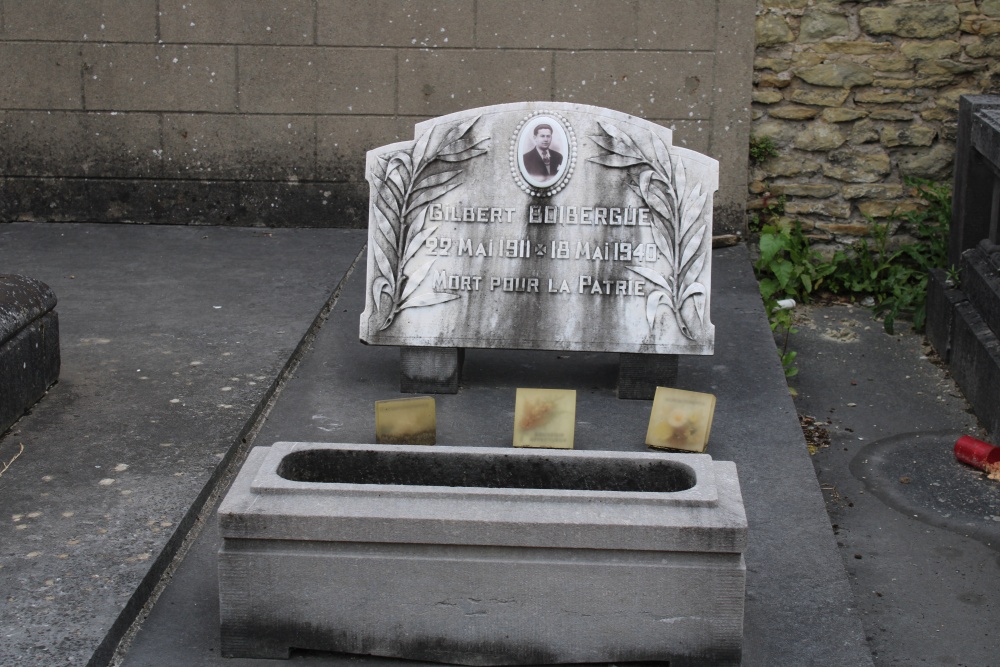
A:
{"x": 582, "y": 24}
{"x": 664, "y": 85}
{"x": 677, "y": 25}
{"x": 430, "y": 370}
{"x": 80, "y": 144}
{"x": 437, "y": 82}
{"x": 483, "y": 556}
{"x": 44, "y": 76}
{"x": 173, "y": 201}
{"x": 29, "y": 345}
{"x": 397, "y": 23}
{"x": 151, "y": 77}
{"x": 80, "y": 21}
{"x": 258, "y": 22}
{"x": 316, "y": 80}
{"x": 215, "y": 146}
{"x": 640, "y": 374}
{"x": 341, "y": 139}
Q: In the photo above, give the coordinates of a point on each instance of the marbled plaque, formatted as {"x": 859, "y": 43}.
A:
{"x": 540, "y": 225}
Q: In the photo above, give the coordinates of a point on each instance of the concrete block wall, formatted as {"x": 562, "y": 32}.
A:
{"x": 260, "y": 113}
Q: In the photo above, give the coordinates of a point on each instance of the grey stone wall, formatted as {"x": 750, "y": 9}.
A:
{"x": 859, "y": 95}
{"x": 204, "y": 111}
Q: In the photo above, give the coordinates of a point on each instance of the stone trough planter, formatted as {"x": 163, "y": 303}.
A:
{"x": 483, "y": 556}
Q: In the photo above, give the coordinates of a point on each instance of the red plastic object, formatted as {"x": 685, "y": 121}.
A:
{"x": 976, "y": 452}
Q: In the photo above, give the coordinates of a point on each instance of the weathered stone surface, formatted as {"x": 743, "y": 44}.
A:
{"x": 889, "y": 208}
{"x": 988, "y": 48}
{"x": 817, "y": 25}
{"x": 855, "y": 48}
{"x": 784, "y": 4}
{"x": 791, "y": 165}
{"x": 881, "y": 97}
{"x": 816, "y": 190}
{"x": 829, "y": 208}
{"x": 863, "y": 132}
{"x": 884, "y": 191}
{"x": 938, "y": 114}
{"x": 665, "y": 531}
{"x": 792, "y": 112}
{"x": 774, "y": 80}
{"x": 836, "y": 75}
{"x": 912, "y": 20}
{"x": 948, "y": 67}
{"x": 772, "y": 29}
{"x": 945, "y": 48}
{"x": 891, "y": 114}
{"x": 823, "y": 98}
{"x": 819, "y": 137}
{"x": 845, "y": 228}
{"x": 891, "y": 63}
{"x": 807, "y": 58}
{"x": 842, "y": 114}
{"x": 935, "y": 163}
{"x": 767, "y": 96}
{"x": 989, "y": 27}
{"x": 913, "y": 135}
{"x": 990, "y": 7}
{"x": 857, "y": 166}
{"x": 778, "y": 130}
{"x": 773, "y": 64}
{"x": 468, "y": 247}
{"x": 895, "y": 82}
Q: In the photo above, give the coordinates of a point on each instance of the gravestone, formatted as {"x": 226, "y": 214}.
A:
{"x": 539, "y": 226}
{"x": 29, "y": 345}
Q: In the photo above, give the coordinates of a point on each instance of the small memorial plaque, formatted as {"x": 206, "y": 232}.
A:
{"x": 544, "y": 418}
{"x": 540, "y": 225}
{"x": 680, "y": 420}
{"x": 406, "y": 421}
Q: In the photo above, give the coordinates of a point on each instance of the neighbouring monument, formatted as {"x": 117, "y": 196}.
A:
{"x": 540, "y": 225}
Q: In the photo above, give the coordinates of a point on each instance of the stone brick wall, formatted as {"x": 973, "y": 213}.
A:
{"x": 859, "y": 95}
{"x": 208, "y": 111}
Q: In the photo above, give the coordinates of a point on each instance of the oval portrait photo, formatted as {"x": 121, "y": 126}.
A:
{"x": 543, "y": 151}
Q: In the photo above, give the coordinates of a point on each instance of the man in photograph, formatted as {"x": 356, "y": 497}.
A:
{"x": 542, "y": 162}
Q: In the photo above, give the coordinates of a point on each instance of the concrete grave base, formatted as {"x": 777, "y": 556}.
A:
{"x": 483, "y": 556}
{"x": 29, "y": 345}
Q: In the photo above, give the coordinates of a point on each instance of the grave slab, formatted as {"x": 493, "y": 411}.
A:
{"x": 799, "y": 608}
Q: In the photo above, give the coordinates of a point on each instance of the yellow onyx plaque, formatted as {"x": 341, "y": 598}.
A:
{"x": 406, "y": 421}
{"x": 544, "y": 418}
{"x": 680, "y": 419}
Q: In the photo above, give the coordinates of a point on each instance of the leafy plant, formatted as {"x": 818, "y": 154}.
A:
{"x": 788, "y": 268}
{"x": 761, "y": 148}
{"x": 678, "y": 226}
{"x": 897, "y": 278}
{"x": 406, "y": 182}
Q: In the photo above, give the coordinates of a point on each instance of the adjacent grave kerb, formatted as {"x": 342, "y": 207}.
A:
{"x": 538, "y": 225}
